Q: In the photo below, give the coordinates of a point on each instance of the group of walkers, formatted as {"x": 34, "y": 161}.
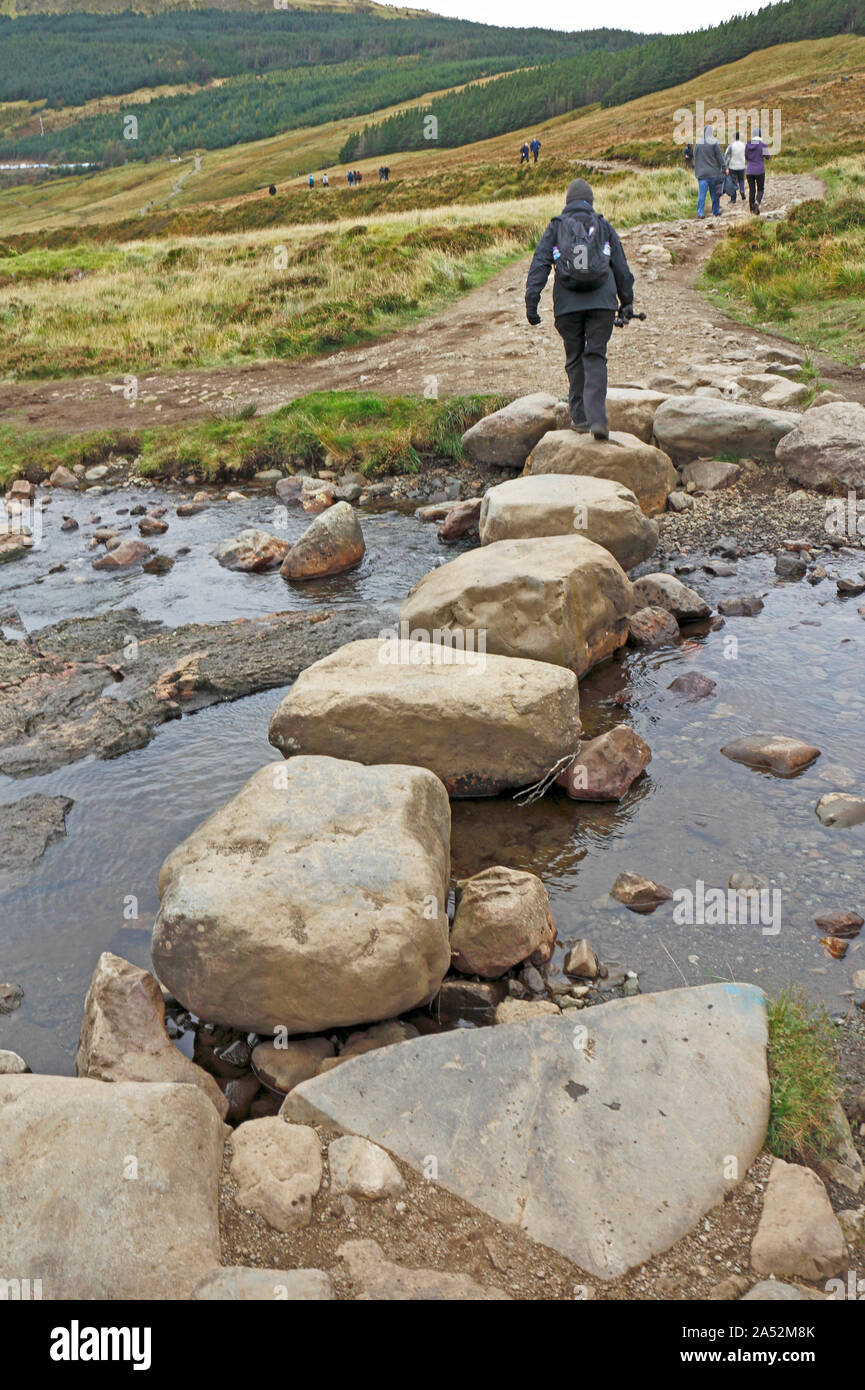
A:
{"x": 720, "y": 173}
{"x": 530, "y": 148}
{"x": 354, "y": 178}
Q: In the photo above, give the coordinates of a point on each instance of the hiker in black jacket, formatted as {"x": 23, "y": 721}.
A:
{"x": 592, "y": 276}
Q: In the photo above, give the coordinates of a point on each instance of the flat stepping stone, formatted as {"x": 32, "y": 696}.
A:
{"x": 481, "y": 723}
{"x": 561, "y": 599}
{"x": 606, "y": 1139}
{"x": 553, "y": 504}
{"x": 623, "y": 458}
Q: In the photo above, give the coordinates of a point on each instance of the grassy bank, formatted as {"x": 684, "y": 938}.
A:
{"x": 804, "y": 277}
{"x": 352, "y": 430}
{"x": 288, "y": 293}
{"x": 804, "y": 1078}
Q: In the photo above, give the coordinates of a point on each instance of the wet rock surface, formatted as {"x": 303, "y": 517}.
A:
{"x": 102, "y": 685}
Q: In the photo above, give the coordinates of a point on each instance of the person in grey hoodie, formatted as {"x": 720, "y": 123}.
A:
{"x": 584, "y": 317}
{"x": 709, "y": 171}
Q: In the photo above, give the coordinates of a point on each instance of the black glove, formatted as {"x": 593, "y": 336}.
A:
{"x": 533, "y": 316}
{"x": 626, "y": 312}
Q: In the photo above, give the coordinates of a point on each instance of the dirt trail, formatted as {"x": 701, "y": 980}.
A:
{"x": 481, "y": 343}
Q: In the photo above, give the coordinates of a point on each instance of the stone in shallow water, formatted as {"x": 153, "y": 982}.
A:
{"x": 314, "y": 898}
{"x": 507, "y": 436}
{"x": 638, "y": 893}
{"x": 666, "y": 591}
{"x": 644, "y": 470}
{"x": 839, "y": 809}
{"x": 608, "y": 1153}
{"x": 560, "y": 599}
{"x": 772, "y": 753}
{"x": 607, "y": 766}
{"x": 481, "y": 723}
{"x": 554, "y": 504}
{"x": 502, "y": 917}
{"x": 123, "y": 1035}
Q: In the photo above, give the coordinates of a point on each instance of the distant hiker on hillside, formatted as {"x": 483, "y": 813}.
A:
{"x": 535, "y": 148}
{"x": 688, "y": 155}
{"x": 386, "y": 173}
{"x": 272, "y": 189}
{"x": 756, "y": 154}
{"x": 709, "y": 171}
{"x": 357, "y": 176}
{"x": 734, "y": 158}
{"x": 350, "y": 177}
{"x": 592, "y": 276}
{"x": 524, "y": 153}
{"x": 325, "y": 183}
{"x": 311, "y": 181}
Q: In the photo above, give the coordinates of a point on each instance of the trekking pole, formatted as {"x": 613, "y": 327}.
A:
{"x": 620, "y": 322}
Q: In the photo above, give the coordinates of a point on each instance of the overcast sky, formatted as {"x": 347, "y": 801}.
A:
{"x": 663, "y": 16}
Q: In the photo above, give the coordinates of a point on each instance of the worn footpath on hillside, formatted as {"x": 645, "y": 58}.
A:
{"x": 481, "y": 343}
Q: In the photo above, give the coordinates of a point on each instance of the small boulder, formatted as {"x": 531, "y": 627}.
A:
{"x": 607, "y": 766}
{"x": 252, "y": 551}
{"x": 652, "y": 627}
{"x": 798, "y": 1235}
{"x": 361, "y": 1169}
{"x": 505, "y": 438}
{"x": 666, "y": 591}
{"x": 638, "y": 893}
{"x": 581, "y": 961}
{"x": 278, "y": 1170}
{"x": 460, "y": 519}
{"x": 332, "y": 544}
{"x": 646, "y": 471}
{"x": 378, "y": 1279}
{"x": 282, "y": 1067}
{"x": 688, "y": 427}
{"x": 827, "y": 447}
{"x": 123, "y": 1035}
{"x": 839, "y": 809}
{"x": 553, "y": 504}
{"x": 693, "y": 685}
{"x": 776, "y": 753}
{"x": 709, "y": 475}
{"x": 123, "y": 556}
{"x": 502, "y": 917}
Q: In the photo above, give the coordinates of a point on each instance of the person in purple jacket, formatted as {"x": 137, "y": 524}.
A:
{"x": 755, "y": 170}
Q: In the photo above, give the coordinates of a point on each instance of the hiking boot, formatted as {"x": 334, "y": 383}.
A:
{"x": 600, "y": 432}
{"x": 580, "y": 426}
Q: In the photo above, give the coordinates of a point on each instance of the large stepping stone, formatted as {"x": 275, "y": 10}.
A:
{"x": 827, "y": 447}
{"x": 109, "y": 1189}
{"x": 481, "y": 723}
{"x": 623, "y": 458}
{"x": 561, "y": 599}
{"x": 554, "y": 504}
{"x": 506, "y": 437}
{"x": 629, "y": 408}
{"x": 690, "y": 426}
{"x": 314, "y": 898}
{"x": 606, "y": 1139}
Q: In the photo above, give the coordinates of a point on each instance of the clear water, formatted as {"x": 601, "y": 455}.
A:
{"x": 695, "y": 815}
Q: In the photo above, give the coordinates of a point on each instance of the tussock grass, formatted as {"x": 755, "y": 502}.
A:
{"x": 353, "y": 430}
{"x": 805, "y": 275}
{"x": 289, "y": 293}
{"x": 803, "y": 1075}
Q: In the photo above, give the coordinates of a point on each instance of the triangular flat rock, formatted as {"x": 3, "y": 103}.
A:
{"x": 605, "y": 1135}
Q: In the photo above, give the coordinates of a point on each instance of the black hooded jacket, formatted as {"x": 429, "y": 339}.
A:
{"x": 619, "y": 288}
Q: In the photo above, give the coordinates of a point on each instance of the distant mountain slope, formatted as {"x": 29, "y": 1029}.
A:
{"x": 534, "y": 95}
{"x": 96, "y": 7}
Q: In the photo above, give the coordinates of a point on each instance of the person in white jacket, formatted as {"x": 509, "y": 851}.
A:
{"x": 734, "y": 158}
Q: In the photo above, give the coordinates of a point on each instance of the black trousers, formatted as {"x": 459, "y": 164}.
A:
{"x": 756, "y": 183}
{"x": 585, "y": 335}
{"x": 739, "y": 176}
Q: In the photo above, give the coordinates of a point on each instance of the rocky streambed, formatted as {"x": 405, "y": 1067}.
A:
{"x": 721, "y": 705}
